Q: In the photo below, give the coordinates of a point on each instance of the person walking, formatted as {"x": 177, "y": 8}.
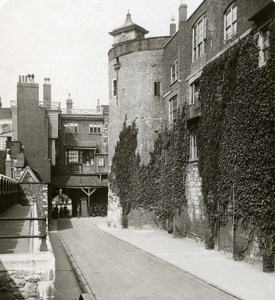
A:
{"x": 78, "y": 211}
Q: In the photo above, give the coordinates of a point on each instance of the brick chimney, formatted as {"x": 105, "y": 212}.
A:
{"x": 182, "y": 13}
{"x": 69, "y": 104}
{"x": 47, "y": 95}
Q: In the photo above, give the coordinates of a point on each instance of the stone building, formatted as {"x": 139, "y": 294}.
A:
{"x": 151, "y": 79}
{"x": 67, "y": 148}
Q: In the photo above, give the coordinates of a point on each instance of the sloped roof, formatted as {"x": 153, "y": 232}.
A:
{"x": 30, "y": 175}
{"x": 78, "y": 181}
{"x": 128, "y": 25}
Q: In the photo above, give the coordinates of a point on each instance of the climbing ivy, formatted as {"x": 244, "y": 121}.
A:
{"x": 123, "y": 166}
{"x": 236, "y": 139}
{"x": 158, "y": 186}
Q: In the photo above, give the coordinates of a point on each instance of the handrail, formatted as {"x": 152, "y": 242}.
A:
{"x": 43, "y": 246}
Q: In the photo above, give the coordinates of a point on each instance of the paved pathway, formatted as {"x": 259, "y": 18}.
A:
{"x": 114, "y": 270}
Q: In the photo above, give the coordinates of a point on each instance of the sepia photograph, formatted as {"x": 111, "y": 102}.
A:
{"x": 137, "y": 149}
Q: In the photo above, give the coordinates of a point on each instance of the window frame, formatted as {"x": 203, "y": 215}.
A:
{"x": 174, "y": 71}
{"x": 231, "y": 26}
{"x": 114, "y": 88}
{"x": 97, "y": 128}
{"x": 198, "y": 38}
{"x": 101, "y": 161}
{"x": 173, "y": 109}
{"x": 194, "y": 94}
{"x": 264, "y": 44}
{"x": 193, "y": 146}
{"x": 157, "y": 88}
{"x": 71, "y": 128}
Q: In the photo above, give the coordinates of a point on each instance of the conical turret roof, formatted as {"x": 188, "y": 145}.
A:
{"x": 127, "y": 26}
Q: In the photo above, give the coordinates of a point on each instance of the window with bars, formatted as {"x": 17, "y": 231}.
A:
{"x": 199, "y": 37}
{"x": 173, "y": 109}
{"x": 174, "y": 71}
{"x": 95, "y": 128}
{"x": 230, "y": 22}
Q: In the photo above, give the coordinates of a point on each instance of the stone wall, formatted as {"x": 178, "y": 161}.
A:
{"x": 135, "y": 66}
{"x": 27, "y": 276}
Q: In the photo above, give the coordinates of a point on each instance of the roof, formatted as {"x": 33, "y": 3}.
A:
{"x": 30, "y": 175}
{"x": 68, "y": 181}
{"x": 128, "y": 25}
{"x": 81, "y": 144}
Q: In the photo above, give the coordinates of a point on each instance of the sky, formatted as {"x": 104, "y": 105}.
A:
{"x": 68, "y": 42}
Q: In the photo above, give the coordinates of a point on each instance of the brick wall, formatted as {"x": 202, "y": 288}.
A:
{"x": 32, "y": 127}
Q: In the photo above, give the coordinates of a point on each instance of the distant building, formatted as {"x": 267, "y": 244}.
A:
{"x": 67, "y": 148}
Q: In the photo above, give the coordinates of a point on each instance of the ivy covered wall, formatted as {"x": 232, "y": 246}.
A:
{"x": 236, "y": 140}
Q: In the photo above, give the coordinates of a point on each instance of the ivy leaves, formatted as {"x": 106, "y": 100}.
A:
{"x": 236, "y": 135}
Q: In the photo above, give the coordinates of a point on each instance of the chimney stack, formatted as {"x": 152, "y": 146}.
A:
{"x": 47, "y": 95}
{"x": 69, "y": 104}
{"x": 182, "y": 13}
{"x": 98, "y": 106}
{"x": 173, "y": 27}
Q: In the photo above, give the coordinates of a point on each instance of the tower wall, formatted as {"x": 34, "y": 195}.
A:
{"x": 135, "y": 66}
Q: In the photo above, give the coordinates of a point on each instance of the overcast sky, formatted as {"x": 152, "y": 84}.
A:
{"x": 68, "y": 41}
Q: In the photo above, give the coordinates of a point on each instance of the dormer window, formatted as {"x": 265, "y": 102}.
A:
{"x": 230, "y": 22}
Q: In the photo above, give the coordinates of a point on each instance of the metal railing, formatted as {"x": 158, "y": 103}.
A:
{"x": 42, "y": 228}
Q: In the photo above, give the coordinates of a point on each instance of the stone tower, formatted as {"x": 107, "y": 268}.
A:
{"x": 135, "y": 93}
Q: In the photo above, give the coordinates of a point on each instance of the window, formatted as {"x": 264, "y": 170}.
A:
{"x": 174, "y": 71}
{"x": 3, "y": 143}
{"x": 264, "y": 45}
{"x": 193, "y": 145}
{"x": 101, "y": 161}
{"x": 95, "y": 128}
{"x": 230, "y": 22}
{"x": 173, "y": 109}
{"x": 114, "y": 89}
{"x": 199, "y": 37}
{"x": 157, "y": 88}
{"x": 72, "y": 156}
{"x": 194, "y": 95}
{"x": 71, "y": 128}
{"x": 5, "y": 128}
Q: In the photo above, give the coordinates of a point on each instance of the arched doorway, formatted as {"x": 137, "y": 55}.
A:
{"x": 62, "y": 206}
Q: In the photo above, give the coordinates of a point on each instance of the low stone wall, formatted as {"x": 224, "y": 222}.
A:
{"x": 27, "y": 276}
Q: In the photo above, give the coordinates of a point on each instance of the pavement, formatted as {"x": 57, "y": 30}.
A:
{"x": 111, "y": 269}
{"x": 240, "y": 279}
